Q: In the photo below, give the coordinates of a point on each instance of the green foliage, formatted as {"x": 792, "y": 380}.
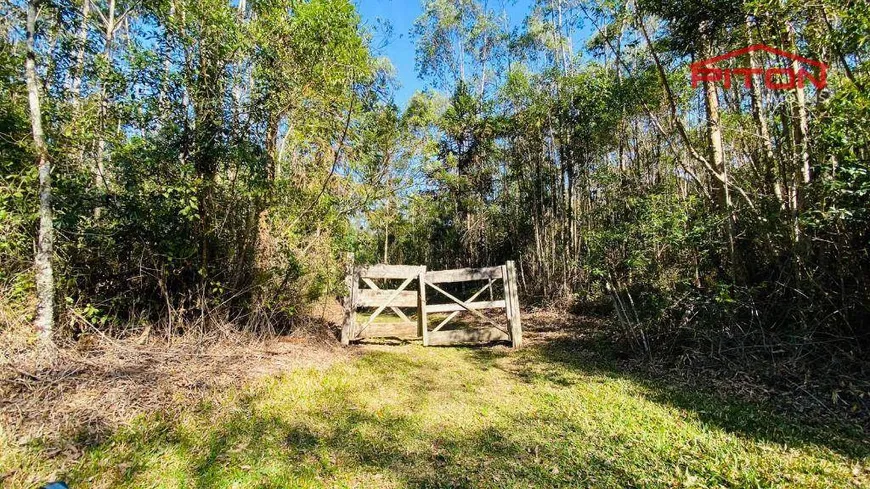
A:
{"x": 207, "y": 167}
{"x": 17, "y": 181}
{"x": 595, "y": 173}
{"x": 217, "y": 161}
{"x": 451, "y": 35}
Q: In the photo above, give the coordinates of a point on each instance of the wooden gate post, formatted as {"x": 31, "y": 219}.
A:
{"x": 513, "y": 304}
{"x": 351, "y": 280}
{"x": 508, "y": 310}
{"x": 422, "y": 320}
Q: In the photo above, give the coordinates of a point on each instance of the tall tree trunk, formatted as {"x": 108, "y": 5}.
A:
{"x": 760, "y": 117}
{"x": 802, "y": 172}
{"x": 163, "y": 97}
{"x": 44, "y": 321}
{"x": 717, "y": 161}
{"x": 239, "y": 71}
{"x": 800, "y": 127}
{"x": 621, "y": 134}
{"x": 100, "y": 175}
{"x": 563, "y": 50}
{"x": 386, "y": 239}
{"x": 78, "y": 74}
{"x": 82, "y": 40}
{"x": 483, "y": 58}
{"x": 714, "y": 137}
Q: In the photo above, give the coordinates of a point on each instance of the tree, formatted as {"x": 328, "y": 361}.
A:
{"x": 459, "y": 41}
{"x": 44, "y": 321}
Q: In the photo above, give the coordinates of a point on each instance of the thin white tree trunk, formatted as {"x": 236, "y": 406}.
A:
{"x": 717, "y": 160}
{"x": 563, "y": 50}
{"x": 386, "y": 239}
{"x": 76, "y": 87}
{"x": 802, "y": 174}
{"x": 760, "y": 117}
{"x": 44, "y": 322}
{"x": 100, "y": 176}
{"x": 82, "y": 39}
{"x": 239, "y": 73}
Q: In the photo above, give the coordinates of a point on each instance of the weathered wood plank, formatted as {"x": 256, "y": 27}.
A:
{"x": 388, "y": 271}
{"x": 516, "y": 330}
{"x": 422, "y": 319}
{"x": 471, "y": 335}
{"x": 463, "y": 275}
{"x": 507, "y": 295}
{"x": 390, "y": 330}
{"x": 351, "y": 282}
{"x": 433, "y": 308}
{"x": 376, "y": 298}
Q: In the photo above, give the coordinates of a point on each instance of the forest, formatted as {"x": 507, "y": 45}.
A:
{"x": 183, "y": 175}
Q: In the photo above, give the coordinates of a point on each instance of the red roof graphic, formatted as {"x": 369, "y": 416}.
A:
{"x": 759, "y": 47}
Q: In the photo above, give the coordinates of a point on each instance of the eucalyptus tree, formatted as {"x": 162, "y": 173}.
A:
{"x": 462, "y": 47}
{"x": 460, "y": 41}
{"x": 619, "y": 176}
{"x": 44, "y": 321}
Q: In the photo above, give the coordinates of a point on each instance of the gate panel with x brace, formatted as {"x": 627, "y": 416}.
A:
{"x": 394, "y": 299}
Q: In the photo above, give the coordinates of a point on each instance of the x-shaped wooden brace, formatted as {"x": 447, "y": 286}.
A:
{"x": 454, "y": 313}
{"x": 467, "y": 307}
{"x": 395, "y": 309}
{"x": 386, "y": 303}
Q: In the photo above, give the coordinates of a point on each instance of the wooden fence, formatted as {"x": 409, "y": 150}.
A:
{"x": 363, "y": 292}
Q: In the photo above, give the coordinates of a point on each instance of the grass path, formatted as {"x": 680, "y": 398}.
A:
{"x": 401, "y": 416}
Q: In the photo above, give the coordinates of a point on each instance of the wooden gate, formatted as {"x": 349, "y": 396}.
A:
{"x": 372, "y": 296}
{"x": 416, "y": 284}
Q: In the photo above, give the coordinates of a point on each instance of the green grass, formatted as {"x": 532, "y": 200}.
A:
{"x": 458, "y": 417}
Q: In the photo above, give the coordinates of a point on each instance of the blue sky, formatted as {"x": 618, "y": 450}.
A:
{"x": 400, "y": 48}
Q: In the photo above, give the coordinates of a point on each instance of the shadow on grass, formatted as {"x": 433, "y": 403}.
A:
{"x": 592, "y": 355}
{"x": 762, "y": 421}
{"x": 435, "y": 418}
{"x": 336, "y": 439}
